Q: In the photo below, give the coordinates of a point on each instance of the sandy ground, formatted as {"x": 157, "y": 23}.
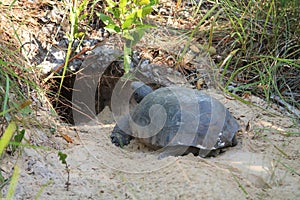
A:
{"x": 264, "y": 165}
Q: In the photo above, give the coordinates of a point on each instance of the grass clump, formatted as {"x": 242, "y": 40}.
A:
{"x": 261, "y": 50}
{"x": 19, "y": 87}
{"x": 15, "y": 101}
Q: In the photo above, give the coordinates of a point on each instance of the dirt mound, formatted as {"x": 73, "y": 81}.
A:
{"x": 263, "y": 164}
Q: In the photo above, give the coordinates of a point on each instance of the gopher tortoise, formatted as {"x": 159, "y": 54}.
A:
{"x": 178, "y": 121}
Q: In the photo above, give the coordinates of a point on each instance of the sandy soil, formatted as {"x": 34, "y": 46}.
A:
{"x": 264, "y": 165}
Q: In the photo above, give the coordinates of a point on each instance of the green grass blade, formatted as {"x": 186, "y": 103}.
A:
{"x": 13, "y": 183}
{"x": 7, "y": 136}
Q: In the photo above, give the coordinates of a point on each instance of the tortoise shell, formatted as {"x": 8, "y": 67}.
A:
{"x": 181, "y": 120}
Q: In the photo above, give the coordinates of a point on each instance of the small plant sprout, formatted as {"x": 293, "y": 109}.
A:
{"x": 126, "y": 19}
{"x": 62, "y": 158}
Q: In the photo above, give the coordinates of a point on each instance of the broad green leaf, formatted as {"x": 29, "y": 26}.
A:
{"x": 146, "y": 10}
{"x": 127, "y": 23}
{"x": 105, "y": 19}
{"x": 62, "y": 157}
{"x": 112, "y": 28}
{"x": 129, "y": 20}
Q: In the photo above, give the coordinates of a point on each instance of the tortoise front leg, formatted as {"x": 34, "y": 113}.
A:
{"x": 119, "y": 137}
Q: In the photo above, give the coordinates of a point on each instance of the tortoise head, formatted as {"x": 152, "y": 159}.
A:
{"x": 140, "y": 90}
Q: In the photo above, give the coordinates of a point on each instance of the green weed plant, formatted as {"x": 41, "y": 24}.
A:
{"x": 126, "y": 18}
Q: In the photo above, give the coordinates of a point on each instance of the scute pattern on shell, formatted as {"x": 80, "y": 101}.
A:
{"x": 192, "y": 119}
